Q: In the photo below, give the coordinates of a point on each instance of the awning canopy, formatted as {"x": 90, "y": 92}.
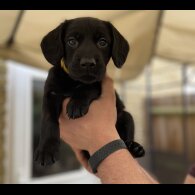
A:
{"x": 168, "y": 34}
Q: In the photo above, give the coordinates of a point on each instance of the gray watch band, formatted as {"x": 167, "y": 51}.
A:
{"x": 104, "y": 152}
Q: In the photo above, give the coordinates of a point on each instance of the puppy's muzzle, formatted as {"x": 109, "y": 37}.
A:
{"x": 87, "y": 63}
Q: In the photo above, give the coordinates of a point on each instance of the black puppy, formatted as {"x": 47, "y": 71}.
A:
{"x": 80, "y": 50}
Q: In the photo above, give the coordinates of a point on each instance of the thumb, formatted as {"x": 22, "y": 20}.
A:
{"x": 108, "y": 87}
{"x": 64, "y": 104}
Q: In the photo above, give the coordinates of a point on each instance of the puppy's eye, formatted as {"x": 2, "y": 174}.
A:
{"x": 102, "y": 43}
{"x": 72, "y": 42}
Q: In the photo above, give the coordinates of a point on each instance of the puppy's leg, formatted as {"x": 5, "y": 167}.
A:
{"x": 125, "y": 128}
{"x": 47, "y": 151}
{"x": 82, "y": 98}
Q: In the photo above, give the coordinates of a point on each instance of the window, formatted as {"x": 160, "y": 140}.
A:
{"x": 24, "y": 101}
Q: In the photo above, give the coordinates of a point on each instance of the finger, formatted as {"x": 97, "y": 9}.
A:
{"x": 190, "y": 178}
{"x": 192, "y": 170}
{"x": 108, "y": 87}
{"x": 82, "y": 159}
{"x": 64, "y": 104}
{"x": 107, "y": 84}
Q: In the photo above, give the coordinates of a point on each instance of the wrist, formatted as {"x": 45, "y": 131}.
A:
{"x": 103, "y": 140}
{"x": 104, "y": 152}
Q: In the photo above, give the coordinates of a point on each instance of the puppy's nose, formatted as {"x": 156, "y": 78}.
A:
{"x": 87, "y": 63}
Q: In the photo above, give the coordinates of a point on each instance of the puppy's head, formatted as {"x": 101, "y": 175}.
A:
{"x": 85, "y": 45}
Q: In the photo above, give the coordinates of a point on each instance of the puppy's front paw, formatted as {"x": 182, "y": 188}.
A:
{"x": 136, "y": 149}
{"x": 46, "y": 156}
{"x": 76, "y": 109}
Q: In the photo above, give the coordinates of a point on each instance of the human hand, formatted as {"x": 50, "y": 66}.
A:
{"x": 97, "y": 127}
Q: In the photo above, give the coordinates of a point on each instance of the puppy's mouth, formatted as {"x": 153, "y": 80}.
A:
{"x": 88, "y": 78}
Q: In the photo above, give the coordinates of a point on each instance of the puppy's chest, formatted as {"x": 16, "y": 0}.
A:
{"x": 64, "y": 86}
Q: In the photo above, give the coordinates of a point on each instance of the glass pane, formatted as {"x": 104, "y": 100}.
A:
{"x": 67, "y": 161}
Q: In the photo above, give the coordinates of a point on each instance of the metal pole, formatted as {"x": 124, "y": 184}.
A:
{"x": 10, "y": 41}
{"x": 123, "y": 91}
{"x": 148, "y": 73}
{"x": 156, "y": 33}
{"x": 149, "y": 89}
{"x": 185, "y": 112}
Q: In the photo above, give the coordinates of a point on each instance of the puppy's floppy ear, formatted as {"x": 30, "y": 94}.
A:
{"x": 52, "y": 44}
{"x": 120, "y": 47}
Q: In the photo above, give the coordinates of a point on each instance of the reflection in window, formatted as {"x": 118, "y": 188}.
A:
{"x": 67, "y": 161}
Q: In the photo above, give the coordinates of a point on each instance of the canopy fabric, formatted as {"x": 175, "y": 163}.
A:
{"x": 176, "y": 38}
{"x": 172, "y": 38}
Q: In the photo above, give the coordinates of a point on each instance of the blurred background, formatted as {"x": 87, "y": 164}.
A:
{"x": 157, "y": 84}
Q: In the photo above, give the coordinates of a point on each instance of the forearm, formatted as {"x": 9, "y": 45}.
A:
{"x": 120, "y": 167}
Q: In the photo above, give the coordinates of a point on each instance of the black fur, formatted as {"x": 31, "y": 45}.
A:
{"x": 86, "y": 46}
